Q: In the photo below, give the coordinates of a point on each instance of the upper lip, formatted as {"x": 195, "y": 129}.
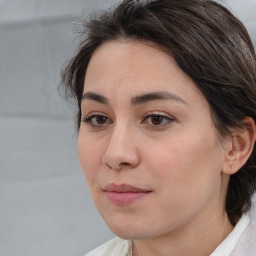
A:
{"x": 112, "y": 187}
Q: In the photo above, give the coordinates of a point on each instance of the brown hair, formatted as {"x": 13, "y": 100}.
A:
{"x": 209, "y": 44}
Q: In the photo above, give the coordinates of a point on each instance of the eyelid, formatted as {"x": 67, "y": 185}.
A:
{"x": 158, "y": 113}
{"x": 92, "y": 114}
{"x": 165, "y": 121}
{"x": 88, "y": 119}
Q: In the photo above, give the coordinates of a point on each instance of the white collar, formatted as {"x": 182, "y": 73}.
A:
{"x": 227, "y": 246}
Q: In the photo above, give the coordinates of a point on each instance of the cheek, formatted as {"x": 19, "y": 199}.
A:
{"x": 184, "y": 177}
{"x": 185, "y": 162}
{"x": 89, "y": 154}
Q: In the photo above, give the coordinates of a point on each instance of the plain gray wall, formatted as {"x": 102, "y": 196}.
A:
{"x": 45, "y": 206}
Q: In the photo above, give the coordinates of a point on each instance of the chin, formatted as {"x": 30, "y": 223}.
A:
{"x": 123, "y": 230}
{"x": 130, "y": 235}
{"x": 129, "y": 231}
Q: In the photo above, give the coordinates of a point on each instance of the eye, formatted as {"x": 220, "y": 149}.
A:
{"x": 157, "y": 119}
{"x": 96, "y": 120}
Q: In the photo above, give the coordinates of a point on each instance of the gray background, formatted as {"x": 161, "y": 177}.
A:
{"x": 45, "y": 206}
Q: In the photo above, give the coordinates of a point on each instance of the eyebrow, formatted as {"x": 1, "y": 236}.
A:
{"x": 96, "y": 97}
{"x": 140, "y": 99}
{"x": 158, "y": 95}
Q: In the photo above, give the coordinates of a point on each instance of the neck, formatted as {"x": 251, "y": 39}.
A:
{"x": 193, "y": 240}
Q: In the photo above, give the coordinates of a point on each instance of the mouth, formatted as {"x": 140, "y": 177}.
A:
{"x": 124, "y": 194}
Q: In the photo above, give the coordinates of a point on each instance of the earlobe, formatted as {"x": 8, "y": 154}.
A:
{"x": 240, "y": 148}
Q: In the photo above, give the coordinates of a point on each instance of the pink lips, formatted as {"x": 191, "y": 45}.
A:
{"x": 124, "y": 194}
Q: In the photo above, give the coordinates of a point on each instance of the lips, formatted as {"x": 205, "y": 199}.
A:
{"x": 124, "y": 194}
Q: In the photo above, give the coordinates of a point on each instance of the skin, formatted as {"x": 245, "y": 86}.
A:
{"x": 181, "y": 161}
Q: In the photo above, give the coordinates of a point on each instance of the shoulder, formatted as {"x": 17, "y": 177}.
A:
{"x": 114, "y": 247}
{"x": 246, "y": 245}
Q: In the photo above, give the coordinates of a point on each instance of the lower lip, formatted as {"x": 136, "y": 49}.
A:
{"x": 125, "y": 198}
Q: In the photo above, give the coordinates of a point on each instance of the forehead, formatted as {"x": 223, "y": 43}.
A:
{"x": 129, "y": 57}
{"x": 129, "y": 68}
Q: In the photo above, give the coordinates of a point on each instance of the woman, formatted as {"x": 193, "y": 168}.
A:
{"x": 166, "y": 94}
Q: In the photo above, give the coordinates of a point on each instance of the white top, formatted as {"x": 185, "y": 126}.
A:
{"x": 120, "y": 247}
{"x": 227, "y": 246}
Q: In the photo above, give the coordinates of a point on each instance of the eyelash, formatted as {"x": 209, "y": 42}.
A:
{"x": 167, "y": 119}
{"x": 91, "y": 119}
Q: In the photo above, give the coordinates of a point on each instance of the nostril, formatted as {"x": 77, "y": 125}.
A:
{"x": 124, "y": 164}
{"x": 117, "y": 167}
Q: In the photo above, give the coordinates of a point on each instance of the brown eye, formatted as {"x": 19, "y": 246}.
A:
{"x": 101, "y": 119}
{"x": 97, "y": 121}
{"x": 156, "y": 120}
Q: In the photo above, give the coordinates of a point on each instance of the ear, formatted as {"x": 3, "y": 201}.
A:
{"x": 240, "y": 147}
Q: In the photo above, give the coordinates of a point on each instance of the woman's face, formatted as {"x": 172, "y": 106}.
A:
{"x": 147, "y": 144}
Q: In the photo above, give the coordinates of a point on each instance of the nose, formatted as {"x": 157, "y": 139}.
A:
{"x": 121, "y": 151}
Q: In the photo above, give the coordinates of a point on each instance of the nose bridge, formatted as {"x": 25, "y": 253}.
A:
{"x": 121, "y": 149}
{"x": 120, "y": 133}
